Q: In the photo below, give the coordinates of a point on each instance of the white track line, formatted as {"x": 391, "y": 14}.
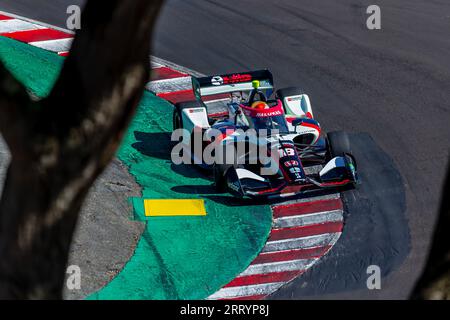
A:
{"x": 244, "y": 291}
{"x": 170, "y": 85}
{"x": 308, "y": 219}
{"x": 282, "y": 266}
{"x": 156, "y": 65}
{"x": 320, "y": 240}
{"x": 177, "y": 67}
{"x": 14, "y": 25}
{"x": 59, "y": 45}
{"x": 333, "y": 196}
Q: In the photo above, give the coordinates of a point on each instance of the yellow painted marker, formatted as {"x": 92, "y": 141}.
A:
{"x": 172, "y": 208}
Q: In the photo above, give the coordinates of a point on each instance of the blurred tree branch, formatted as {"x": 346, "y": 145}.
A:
{"x": 60, "y": 144}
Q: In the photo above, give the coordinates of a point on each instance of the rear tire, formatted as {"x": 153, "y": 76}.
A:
{"x": 178, "y": 118}
{"x": 177, "y": 112}
{"x": 339, "y": 143}
{"x": 288, "y": 92}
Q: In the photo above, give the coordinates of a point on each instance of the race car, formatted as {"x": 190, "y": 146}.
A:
{"x": 293, "y": 139}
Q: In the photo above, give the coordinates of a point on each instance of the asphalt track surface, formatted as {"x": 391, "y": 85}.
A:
{"x": 390, "y": 87}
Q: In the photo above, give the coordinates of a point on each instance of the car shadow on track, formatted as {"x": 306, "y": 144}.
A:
{"x": 159, "y": 145}
{"x": 153, "y": 144}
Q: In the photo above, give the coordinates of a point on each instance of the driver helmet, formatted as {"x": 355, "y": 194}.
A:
{"x": 260, "y": 105}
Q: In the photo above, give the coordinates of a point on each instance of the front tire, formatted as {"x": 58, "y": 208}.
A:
{"x": 178, "y": 112}
{"x": 289, "y": 92}
{"x": 220, "y": 181}
{"x": 339, "y": 143}
{"x": 284, "y": 93}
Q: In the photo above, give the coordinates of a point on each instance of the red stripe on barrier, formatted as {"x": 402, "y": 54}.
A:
{"x": 3, "y": 17}
{"x": 307, "y": 208}
{"x": 37, "y": 35}
{"x": 256, "y": 297}
{"x": 264, "y": 278}
{"x": 306, "y": 231}
{"x": 187, "y": 95}
{"x": 289, "y": 255}
{"x": 164, "y": 73}
{"x": 64, "y": 54}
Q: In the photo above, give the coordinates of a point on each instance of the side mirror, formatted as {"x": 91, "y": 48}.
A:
{"x": 297, "y": 122}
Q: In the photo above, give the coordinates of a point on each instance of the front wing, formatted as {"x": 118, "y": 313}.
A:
{"x": 244, "y": 183}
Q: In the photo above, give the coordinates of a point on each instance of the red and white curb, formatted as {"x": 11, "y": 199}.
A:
{"x": 36, "y": 34}
{"x": 303, "y": 230}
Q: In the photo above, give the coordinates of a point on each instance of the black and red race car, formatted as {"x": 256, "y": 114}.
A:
{"x": 300, "y": 157}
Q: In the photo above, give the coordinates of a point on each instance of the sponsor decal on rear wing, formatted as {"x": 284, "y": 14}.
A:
{"x": 228, "y": 83}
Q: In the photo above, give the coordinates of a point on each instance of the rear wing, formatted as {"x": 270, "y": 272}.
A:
{"x": 228, "y": 83}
